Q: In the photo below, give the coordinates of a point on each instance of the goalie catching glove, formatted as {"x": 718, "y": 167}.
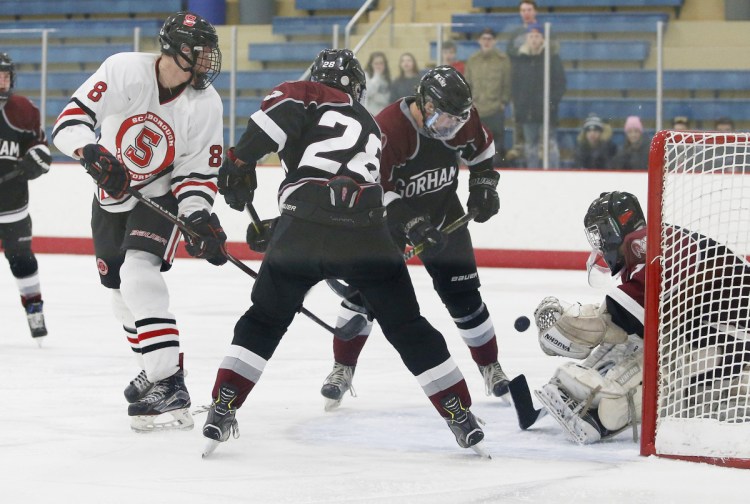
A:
{"x": 573, "y": 331}
{"x": 36, "y": 162}
{"x": 259, "y": 235}
{"x": 211, "y": 244}
{"x": 106, "y": 170}
{"x": 237, "y": 183}
{"x": 483, "y": 196}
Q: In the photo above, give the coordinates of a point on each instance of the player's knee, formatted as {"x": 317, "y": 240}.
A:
{"x": 257, "y": 334}
{"x": 22, "y": 262}
{"x": 462, "y": 304}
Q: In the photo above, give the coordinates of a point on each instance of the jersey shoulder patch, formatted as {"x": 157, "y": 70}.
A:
{"x": 305, "y": 92}
{"x": 22, "y": 113}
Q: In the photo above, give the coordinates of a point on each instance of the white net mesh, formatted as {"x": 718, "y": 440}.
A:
{"x": 703, "y": 406}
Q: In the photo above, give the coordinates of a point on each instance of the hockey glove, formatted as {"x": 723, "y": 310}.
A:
{"x": 420, "y": 231}
{"x": 35, "y": 163}
{"x": 483, "y": 194}
{"x": 237, "y": 183}
{"x": 106, "y": 170}
{"x": 259, "y": 238}
{"x": 211, "y": 245}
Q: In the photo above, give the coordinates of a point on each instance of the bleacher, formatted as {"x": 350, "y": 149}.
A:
{"x": 564, "y": 23}
{"x": 309, "y": 25}
{"x": 68, "y": 8}
{"x": 579, "y": 4}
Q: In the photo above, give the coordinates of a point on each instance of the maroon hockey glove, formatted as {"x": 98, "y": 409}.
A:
{"x": 420, "y": 230}
{"x": 106, "y": 170}
{"x": 237, "y": 183}
{"x": 259, "y": 238}
{"x": 212, "y": 244}
{"x": 35, "y": 163}
{"x": 483, "y": 194}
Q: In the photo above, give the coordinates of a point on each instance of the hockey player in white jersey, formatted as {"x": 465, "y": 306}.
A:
{"x": 160, "y": 132}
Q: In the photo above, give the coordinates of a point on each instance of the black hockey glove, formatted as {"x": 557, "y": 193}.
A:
{"x": 420, "y": 231}
{"x": 237, "y": 183}
{"x": 258, "y": 239}
{"x": 106, "y": 170}
{"x": 35, "y": 163}
{"x": 483, "y": 196}
{"x": 212, "y": 244}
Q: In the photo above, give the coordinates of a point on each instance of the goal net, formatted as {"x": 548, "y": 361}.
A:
{"x": 696, "y": 391}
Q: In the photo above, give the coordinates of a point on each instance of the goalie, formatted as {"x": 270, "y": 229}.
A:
{"x": 600, "y": 396}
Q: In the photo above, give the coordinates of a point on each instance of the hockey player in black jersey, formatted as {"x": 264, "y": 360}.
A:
{"x": 24, "y": 156}
{"x": 160, "y": 133}
{"x": 424, "y": 139}
{"x": 331, "y": 206}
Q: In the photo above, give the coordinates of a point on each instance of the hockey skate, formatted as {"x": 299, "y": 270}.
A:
{"x": 574, "y": 417}
{"x": 167, "y": 397}
{"x": 464, "y": 425}
{"x": 336, "y": 385}
{"x": 221, "y": 420}
{"x": 35, "y": 317}
{"x": 138, "y": 388}
{"x": 495, "y": 381}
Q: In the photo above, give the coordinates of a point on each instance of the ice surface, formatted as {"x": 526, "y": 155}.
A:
{"x": 65, "y": 436}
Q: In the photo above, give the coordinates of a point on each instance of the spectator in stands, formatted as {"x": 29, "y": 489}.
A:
{"x": 724, "y": 125}
{"x": 378, "y": 83}
{"x": 594, "y": 148}
{"x": 488, "y": 73}
{"x": 527, "y": 11}
{"x": 449, "y": 54}
{"x": 633, "y": 155}
{"x": 528, "y": 96}
{"x": 406, "y": 82}
{"x": 680, "y": 123}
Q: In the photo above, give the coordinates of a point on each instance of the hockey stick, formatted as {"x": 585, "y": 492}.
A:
{"x": 345, "y": 291}
{"x": 527, "y": 414}
{"x": 11, "y": 175}
{"x": 245, "y": 268}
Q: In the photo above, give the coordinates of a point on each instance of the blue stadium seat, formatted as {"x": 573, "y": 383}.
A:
{"x": 612, "y": 109}
{"x": 257, "y": 79}
{"x": 290, "y": 51}
{"x": 55, "y": 80}
{"x": 602, "y": 22}
{"x": 551, "y": 4}
{"x": 246, "y": 106}
{"x": 65, "y": 7}
{"x": 85, "y": 28}
{"x": 313, "y": 5}
{"x": 307, "y": 25}
{"x": 577, "y": 50}
{"x": 631, "y": 80}
{"x": 73, "y": 53}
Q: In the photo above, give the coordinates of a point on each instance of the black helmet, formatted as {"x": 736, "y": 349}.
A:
{"x": 6, "y": 65}
{"x": 191, "y": 38}
{"x": 450, "y": 97}
{"x": 611, "y": 217}
{"x": 339, "y": 68}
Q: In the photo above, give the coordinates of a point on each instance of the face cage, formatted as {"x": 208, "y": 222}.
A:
{"x": 594, "y": 237}
{"x": 444, "y": 126}
{"x": 209, "y": 60}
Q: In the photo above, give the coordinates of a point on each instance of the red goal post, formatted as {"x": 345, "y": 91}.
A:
{"x": 696, "y": 379}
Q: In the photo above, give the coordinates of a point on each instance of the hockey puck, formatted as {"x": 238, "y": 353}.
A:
{"x": 522, "y": 323}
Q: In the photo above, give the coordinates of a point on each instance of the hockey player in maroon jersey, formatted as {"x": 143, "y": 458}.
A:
{"x": 160, "y": 133}
{"x": 332, "y": 225}
{"x": 424, "y": 139}
{"x": 24, "y": 156}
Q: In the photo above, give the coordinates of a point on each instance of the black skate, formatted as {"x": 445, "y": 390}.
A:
{"x": 465, "y": 426}
{"x": 35, "y": 317}
{"x": 221, "y": 422}
{"x": 336, "y": 385}
{"x": 167, "y": 396}
{"x": 495, "y": 381}
{"x": 138, "y": 388}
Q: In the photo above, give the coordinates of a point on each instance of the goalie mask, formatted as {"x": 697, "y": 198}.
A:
{"x": 444, "y": 99}
{"x": 610, "y": 218}
{"x": 340, "y": 69}
{"x": 6, "y": 65}
{"x": 194, "y": 45}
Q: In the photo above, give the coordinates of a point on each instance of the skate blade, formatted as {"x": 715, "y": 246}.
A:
{"x": 505, "y": 399}
{"x": 481, "y": 450}
{"x": 331, "y": 404}
{"x": 209, "y": 448}
{"x": 180, "y": 419}
{"x": 39, "y": 340}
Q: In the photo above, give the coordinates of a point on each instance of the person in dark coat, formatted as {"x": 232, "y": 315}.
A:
{"x": 594, "y": 148}
{"x": 633, "y": 155}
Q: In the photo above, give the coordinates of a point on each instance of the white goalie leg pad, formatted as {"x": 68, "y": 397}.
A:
{"x": 607, "y": 355}
{"x": 585, "y": 384}
{"x": 579, "y": 426}
{"x": 616, "y": 413}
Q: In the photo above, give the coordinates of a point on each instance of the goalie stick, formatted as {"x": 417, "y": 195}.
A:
{"x": 521, "y": 395}
{"x": 346, "y": 291}
{"x": 344, "y": 332}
